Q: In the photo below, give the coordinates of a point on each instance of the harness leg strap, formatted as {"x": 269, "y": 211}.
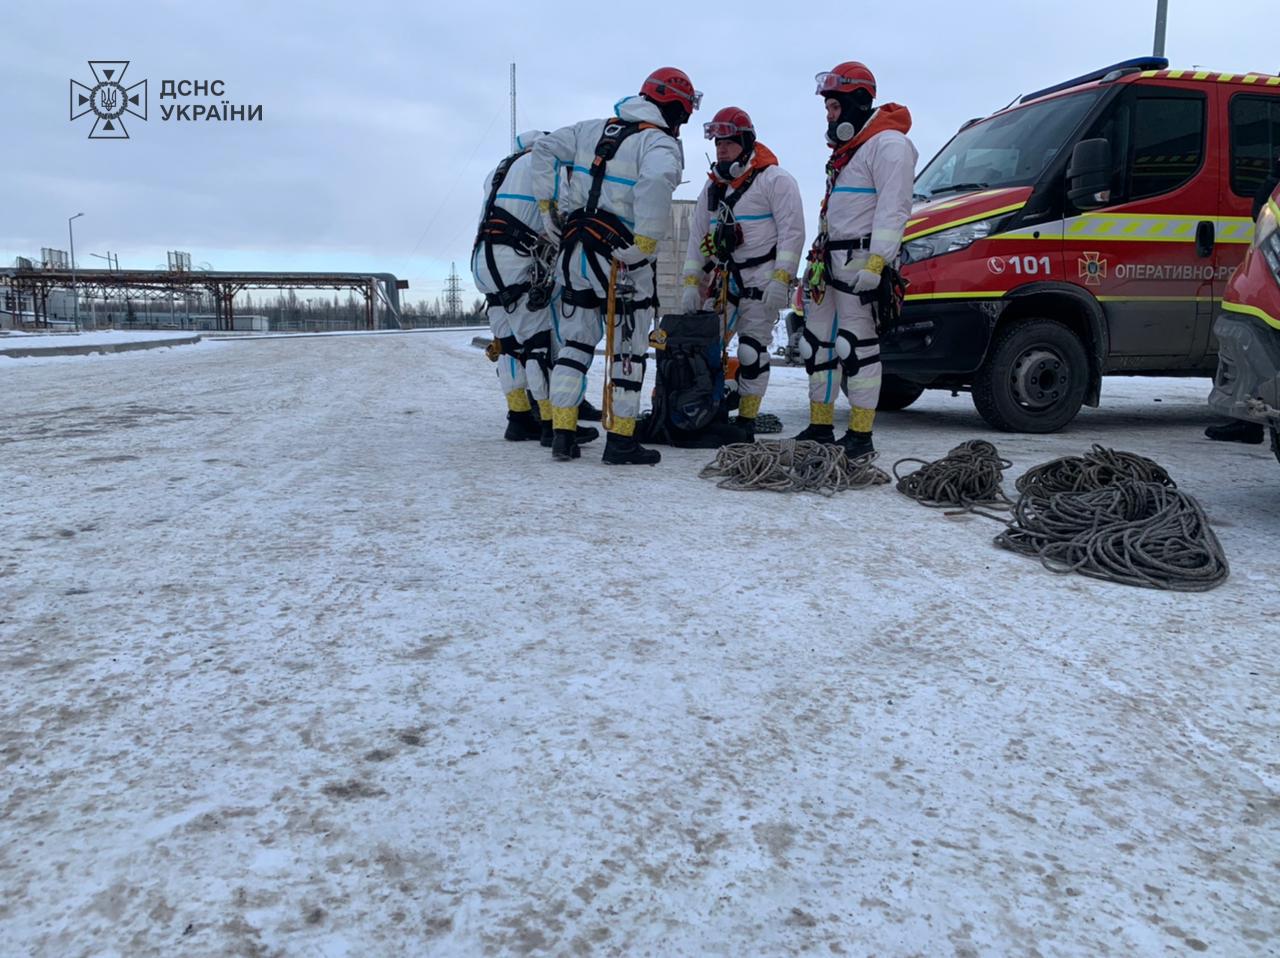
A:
{"x": 753, "y": 358}
{"x": 847, "y": 346}
{"x": 810, "y": 344}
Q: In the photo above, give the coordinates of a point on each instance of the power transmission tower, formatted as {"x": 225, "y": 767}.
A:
{"x": 453, "y": 293}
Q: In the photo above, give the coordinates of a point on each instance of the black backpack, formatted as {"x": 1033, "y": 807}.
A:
{"x": 689, "y": 387}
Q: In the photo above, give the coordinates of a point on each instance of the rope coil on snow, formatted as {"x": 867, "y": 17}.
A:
{"x": 789, "y": 465}
{"x": 1096, "y": 469}
{"x": 969, "y": 475}
{"x": 1134, "y": 532}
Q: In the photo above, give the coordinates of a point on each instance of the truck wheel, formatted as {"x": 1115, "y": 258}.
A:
{"x": 1034, "y": 378}
{"x": 897, "y": 393}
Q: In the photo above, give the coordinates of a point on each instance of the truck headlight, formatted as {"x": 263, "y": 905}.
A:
{"x": 948, "y": 241}
{"x": 1266, "y": 237}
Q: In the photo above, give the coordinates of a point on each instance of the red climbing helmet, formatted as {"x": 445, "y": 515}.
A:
{"x": 669, "y": 85}
{"x": 846, "y": 78}
{"x": 731, "y": 121}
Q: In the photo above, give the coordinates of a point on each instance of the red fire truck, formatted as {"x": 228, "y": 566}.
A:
{"x": 1087, "y": 229}
{"x": 1247, "y": 385}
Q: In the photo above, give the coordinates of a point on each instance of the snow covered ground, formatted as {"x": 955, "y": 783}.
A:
{"x": 92, "y": 337}
{"x": 301, "y": 658}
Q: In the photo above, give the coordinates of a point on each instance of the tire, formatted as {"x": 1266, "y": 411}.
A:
{"x": 1034, "y": 377}
{"x": 897, "y": 393}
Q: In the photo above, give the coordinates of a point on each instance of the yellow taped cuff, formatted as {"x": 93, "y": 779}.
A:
{"x": 646, "y": 244}
{"x": 875, "y": 263}
{"x": 782, "y": 276}
{"x": 544, "y": 206}
{"x": 623, "y": 427}
{"x": 861, "y": 420}
{"x": 821, "y": 413}
{"x": 518, "y": 401}
{"x": 564, "y": 417}
{"x": 544, "y": 410}
{"x": 691, "y": 280}
{"x": 749, "y": 406}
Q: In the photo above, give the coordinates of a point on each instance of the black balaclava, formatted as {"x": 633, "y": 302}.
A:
{"x": 855, "y": 110}
{"x": 732, "y": 169}
{"x": 674, "y": 112}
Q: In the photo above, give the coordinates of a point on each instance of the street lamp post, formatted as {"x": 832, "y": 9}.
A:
{"x": 75, "y": 293}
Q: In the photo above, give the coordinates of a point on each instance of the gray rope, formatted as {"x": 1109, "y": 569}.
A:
{"x": 1096, "y": 469}
{"x": 788, "y": 465}
{"x": 969, "y": 475}
{"x": 1134, "y": 532}
{"x": 767, "y": 423}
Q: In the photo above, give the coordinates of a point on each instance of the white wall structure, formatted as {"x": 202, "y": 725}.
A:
{"x": 671, "y": 256}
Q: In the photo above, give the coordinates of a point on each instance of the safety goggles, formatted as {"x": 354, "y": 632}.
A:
{"x": 719, "y": 129}
{"x": 835, "y": 83}
{"x": 694, "y": 100}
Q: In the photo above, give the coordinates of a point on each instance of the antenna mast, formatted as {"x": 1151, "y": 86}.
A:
{"x": 513, "y": 108}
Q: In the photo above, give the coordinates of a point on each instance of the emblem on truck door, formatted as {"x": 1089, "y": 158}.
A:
{"x": 1093, "y": 269}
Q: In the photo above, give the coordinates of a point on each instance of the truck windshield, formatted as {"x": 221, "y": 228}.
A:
{"x": 1011, "y": 149}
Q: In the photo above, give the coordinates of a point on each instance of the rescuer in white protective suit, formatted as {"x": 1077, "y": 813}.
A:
{"x": 860, "y": 226}
{"x": 513, "y": 266}
{"x": 608, "y": 223}
{"x": 744, "y": 249}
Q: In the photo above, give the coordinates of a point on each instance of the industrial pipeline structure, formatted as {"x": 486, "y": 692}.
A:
{"x": 26, "y": 289}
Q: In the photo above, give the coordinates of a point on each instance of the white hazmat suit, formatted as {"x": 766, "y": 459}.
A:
{"x": 504, "y": 273}
{"x": 867, "y": 211}
{"x": 634, "y": 207}
{"x": 765, "y": 203}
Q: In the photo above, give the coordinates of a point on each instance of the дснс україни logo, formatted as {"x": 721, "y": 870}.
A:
{"x": 109, "y": 99}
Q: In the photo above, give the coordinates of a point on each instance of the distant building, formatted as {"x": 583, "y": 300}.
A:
{"x": 671, "y": 256}
{"x": 17, "y": 307}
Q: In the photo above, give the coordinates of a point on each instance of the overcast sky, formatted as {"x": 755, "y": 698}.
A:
{"x": 380, "y": 120}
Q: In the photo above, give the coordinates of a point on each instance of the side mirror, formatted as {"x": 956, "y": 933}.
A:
{"x": 1089, "y": 174}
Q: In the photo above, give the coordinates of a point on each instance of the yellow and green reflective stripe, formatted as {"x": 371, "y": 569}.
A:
{"x": 977, "y": 294}
{"x": 1254, "y": 311}
{"x": 1155, "y": 228}
{"x": 985, "y": 214}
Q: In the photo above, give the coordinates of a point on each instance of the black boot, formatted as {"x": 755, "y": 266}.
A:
{"x": 816, "y": 433}
{"x": 1237, "y": 430}
{"x": 522, "y": 426}
{"x": 747, "y": 426}
{"x": 588, "y": 412}
{"x": 856, "y": 445}
{"x": 584, "y": 435}
{"x": 626, "y": 451}
{"x": 564, "y": 446}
